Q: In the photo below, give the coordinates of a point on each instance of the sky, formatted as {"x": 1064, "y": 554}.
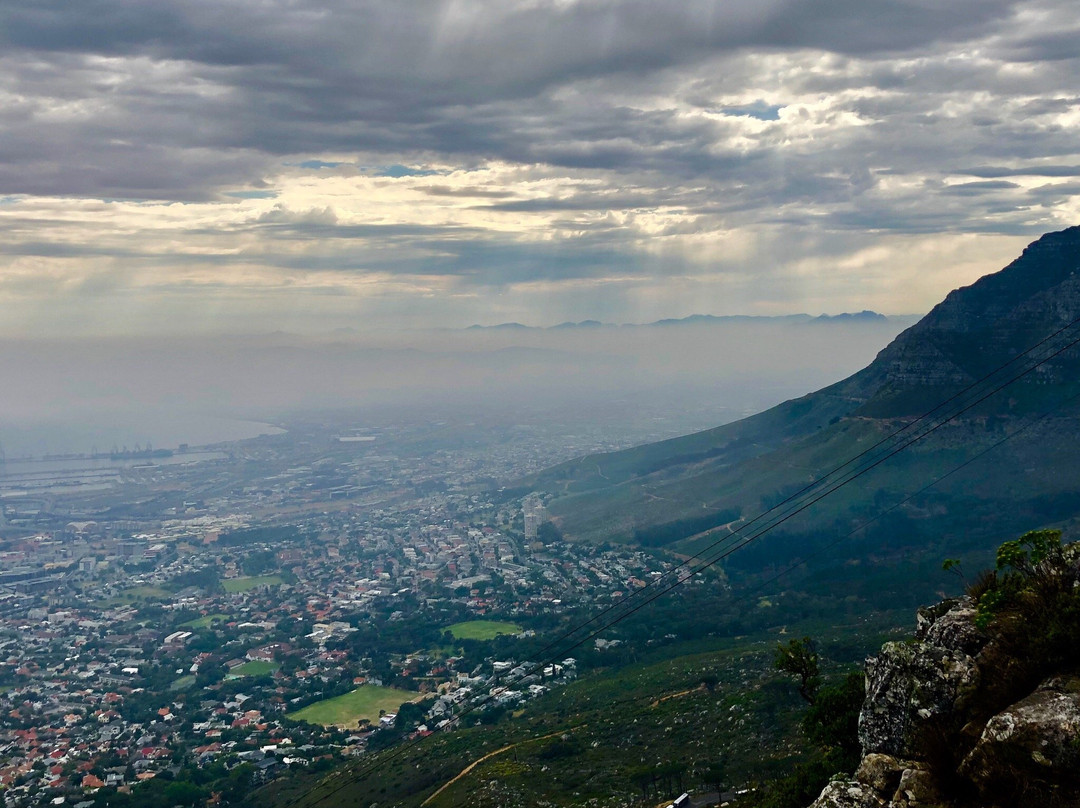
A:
{"x": 205, "y": 166}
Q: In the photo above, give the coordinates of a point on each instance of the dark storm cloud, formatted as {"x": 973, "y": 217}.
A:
{"x": 1060, "y": 44}
{"x": 587, "y": 201}
{"x": 976, "y": 188}
{"x": 460, "y": 252}
{"x": 468, "y": 254}
{"x": 47, "y": 249}
{"x": 479, "y": 46}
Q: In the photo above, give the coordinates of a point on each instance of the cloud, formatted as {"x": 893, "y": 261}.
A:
{"x": 557, "y": 149}
{"x": 1029, "y": 171}
{"x": 274, "y": 78}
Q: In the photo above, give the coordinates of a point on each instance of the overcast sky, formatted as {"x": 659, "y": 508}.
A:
{"x": 199, "y": 165}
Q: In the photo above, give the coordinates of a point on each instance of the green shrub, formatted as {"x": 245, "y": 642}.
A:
{"x": 1031, "y": 605}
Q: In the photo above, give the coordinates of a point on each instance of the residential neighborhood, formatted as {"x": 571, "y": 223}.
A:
{"x": 221, "y": 643}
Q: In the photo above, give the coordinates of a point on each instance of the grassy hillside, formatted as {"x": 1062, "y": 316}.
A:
{"x": 585, "y": 741}
{"x": 675, "y": 491}
{"x": 1029, "y": 479}
{"x": 722, "y": 446}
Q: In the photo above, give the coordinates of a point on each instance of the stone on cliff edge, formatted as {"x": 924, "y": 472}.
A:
{"x": 848, "y": 794}
{"x": 880, "y": 772}
{"x": 951, "y": 624}
{"x": 1029, "y": 754}
{"x": 917, "y": 788}
{"x": 907, "y": 686}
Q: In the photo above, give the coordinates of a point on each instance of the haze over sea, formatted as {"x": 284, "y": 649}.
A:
{"x": 103, "y": 432}
{"x": 118, "y": 393}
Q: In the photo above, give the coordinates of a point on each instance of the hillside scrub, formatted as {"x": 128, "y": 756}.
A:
{"x": 830, "y": 725}
{"x": 1031, "y": 604}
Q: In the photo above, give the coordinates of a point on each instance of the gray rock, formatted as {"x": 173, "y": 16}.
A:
{"x": 848, "y": 794}
{"x": 917, "y": 787}
{"x": 937, "y": 699}
{"x": 880, "y": 772}
{"x": 1029, "y": 754}
{"x": 926, "y": 616}
{"x": 952, "y": 627}
{"x": 907, "y": 686}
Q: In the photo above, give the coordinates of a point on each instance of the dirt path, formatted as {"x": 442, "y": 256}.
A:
{"x": 678, "y": 695}
{"x": 490, "y": 755}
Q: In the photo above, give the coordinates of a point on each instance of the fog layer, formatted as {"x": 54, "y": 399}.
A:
{"x": 645, "y": 381}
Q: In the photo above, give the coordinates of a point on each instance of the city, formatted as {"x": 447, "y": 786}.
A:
{"x": 198, "y": 629}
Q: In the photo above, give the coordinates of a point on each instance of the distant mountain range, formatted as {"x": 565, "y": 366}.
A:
{"x": 688, "y": 491}
{"x": 710, "y": 319}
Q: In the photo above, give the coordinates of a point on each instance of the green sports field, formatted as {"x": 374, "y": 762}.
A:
{"x": 482, "y": 629}
{"x": 255, "y": 667}
{"x": 234, "y": 585}
{"x": 204, "y": 621}
{"x": 347, "y": 710}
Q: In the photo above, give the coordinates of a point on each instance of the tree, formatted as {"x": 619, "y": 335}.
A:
{"x": 210, "y": 673}
{"x": 715, "y": 775}
{"x": 548, "y": 533}
{"x": 671, "y": 773}
{"x": 832, "y": 722}
{"x": 1031, "y": 603}
{"x": 800, "y": 658}
{"x": 642, "y": 777}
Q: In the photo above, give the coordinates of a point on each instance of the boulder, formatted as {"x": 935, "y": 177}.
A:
{"x": 935, "y": 729}
{"x": 917, "y": 788}
{"x": 951, "y": 624}
{"x": 908, "y": 686}
{"x": 880, "y": 772}
{"x": 1029, "y": 754}
{"x": 848, "y": 794}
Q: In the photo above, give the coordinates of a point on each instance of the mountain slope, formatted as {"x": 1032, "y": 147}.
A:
{"x": 679, "y": 488}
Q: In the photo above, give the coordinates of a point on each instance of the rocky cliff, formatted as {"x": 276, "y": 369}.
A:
{"x": 967, "y": 716}
{"x": 977, "y": 328}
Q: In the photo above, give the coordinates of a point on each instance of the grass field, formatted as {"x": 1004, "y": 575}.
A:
{"x": 135, "y": 594}
{"x": 482, "y": 629}
{"x": 234, "y": 585}
{"x": 204, "y": 621}
{"x": 183, "y": 683}
{"x": 347, "y": 710}
{"x": 255, "y": 667}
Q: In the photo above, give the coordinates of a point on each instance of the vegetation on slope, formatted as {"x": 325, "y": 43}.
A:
{"x": 749, "y": 464}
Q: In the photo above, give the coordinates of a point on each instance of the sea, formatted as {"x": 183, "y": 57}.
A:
{"x": 64, "y": 456}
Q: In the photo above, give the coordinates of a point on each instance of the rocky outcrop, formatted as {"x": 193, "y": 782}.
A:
{"x": 1035, "y": 744}
{"x": 848, "y": 795}
{"x": 967, "y": 334}
{"x": 883, "y": 781}
{"x": 909, "y": 686}
{"x": 940, "y": 727}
